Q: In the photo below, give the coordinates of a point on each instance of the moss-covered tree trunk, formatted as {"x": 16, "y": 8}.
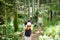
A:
{"x": 15, "y": 18}
{"x": 16, "y": 22}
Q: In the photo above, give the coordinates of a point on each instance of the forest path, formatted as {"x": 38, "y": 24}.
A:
{"x": 35, "y": 36}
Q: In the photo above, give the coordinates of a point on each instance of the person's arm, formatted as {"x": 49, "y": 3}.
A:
{"x": 32, "y": 29}
{"x": 24, "y": 30}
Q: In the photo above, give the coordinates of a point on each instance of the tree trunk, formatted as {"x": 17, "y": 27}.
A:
{"x": 28, "y": 8}
{"x": 55, "y": 14}
{"x": 5, "y": 22}
{"x": 51, "y": 15}
{"x": 15, "y": 18}
{"x": 38, "y": 5}
{"x": 16, "y": 22}
{"x": 33, "y": 7}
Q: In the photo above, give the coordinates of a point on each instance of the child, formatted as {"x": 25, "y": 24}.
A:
{"x": 28, "y": 31}
{"x": 40, "y": 20}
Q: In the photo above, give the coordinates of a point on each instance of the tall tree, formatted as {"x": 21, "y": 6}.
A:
{"x": 38, "y": 4}
{"x": 15, "y": 17}
{"x": 28, "y": 7}
{"x": 33, "y": 7}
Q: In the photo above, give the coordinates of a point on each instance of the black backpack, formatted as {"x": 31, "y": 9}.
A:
{"x": 28, "y": 32}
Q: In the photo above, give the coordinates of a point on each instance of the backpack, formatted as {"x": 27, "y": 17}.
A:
{"x": 28, "y": 32}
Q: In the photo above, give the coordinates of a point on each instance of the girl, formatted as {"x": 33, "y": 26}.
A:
{"x": 28, "y": 31}
{"x": 40, "y": 20}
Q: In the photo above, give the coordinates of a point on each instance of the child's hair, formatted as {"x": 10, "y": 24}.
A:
{"x": 40, "y": 15}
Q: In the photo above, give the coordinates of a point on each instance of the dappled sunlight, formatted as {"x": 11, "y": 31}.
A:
{"x": 29, "y": 19}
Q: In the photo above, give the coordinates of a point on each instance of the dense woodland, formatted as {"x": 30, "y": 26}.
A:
{"x": 13, "y": 14}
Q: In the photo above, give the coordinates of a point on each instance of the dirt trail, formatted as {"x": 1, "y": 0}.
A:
{"x": 35, "y": 36}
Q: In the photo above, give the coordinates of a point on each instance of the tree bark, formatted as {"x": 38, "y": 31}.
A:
{"x": 15, "y": 18}
{"x": 38, "y": 5}
{"x": 50, "y": 15}
{"x": 28, "y": 8}
{"x": 33, "y": 7}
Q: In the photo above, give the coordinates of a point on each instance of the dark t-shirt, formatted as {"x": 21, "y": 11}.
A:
{"x": 28, "y": 32}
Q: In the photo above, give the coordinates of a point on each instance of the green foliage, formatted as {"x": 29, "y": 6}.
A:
{"x": 1, "y": 29}
{"x": 55, "y": 6}
{"x": 52, "y": 31}
{"x": 22, "y": 15}
{"x": 11, "y": 29}
{"x": 35, "y": 27}
{"x": 36, "y": 16}
{"x": 53, "y": 22}
{"x": 52, "y": 28}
